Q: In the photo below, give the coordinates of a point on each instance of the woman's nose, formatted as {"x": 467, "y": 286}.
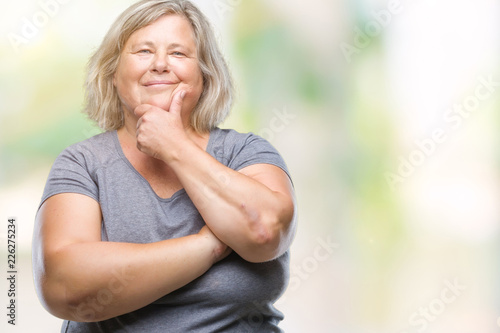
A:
{"x": 160, "y": 63}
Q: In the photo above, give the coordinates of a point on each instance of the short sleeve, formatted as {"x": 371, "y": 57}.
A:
{"x": 70, "y": 174}
{"x": 242, "y": 150}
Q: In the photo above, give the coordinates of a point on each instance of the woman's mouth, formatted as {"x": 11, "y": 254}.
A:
{"x": 158, "y": 83}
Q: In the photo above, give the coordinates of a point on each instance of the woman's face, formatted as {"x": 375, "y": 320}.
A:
{"x": 156, "y": 62}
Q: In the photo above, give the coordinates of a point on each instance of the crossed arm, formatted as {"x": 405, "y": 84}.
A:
{"x": 251, "y": 212}
{"x": 72, "y": 266}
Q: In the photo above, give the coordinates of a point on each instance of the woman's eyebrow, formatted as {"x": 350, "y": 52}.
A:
{"x": 151, "y": 44}
{"x": 141, "y": 44}
{"x": 174, "y": 45}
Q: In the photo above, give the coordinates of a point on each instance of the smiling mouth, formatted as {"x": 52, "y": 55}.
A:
{"x": 158, "y": 84}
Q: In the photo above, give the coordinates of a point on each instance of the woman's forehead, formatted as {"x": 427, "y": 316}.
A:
{"x": 170, "y": 28}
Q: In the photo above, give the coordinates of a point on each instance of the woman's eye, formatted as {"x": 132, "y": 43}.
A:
{"x": 177, "y": 53}
{"x": 144, "y": 51}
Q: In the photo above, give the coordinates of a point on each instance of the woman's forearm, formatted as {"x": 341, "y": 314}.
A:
{"x": 245, "y": 214}
{"x": 252, "y": 213}
{"x": 94, "y": 281}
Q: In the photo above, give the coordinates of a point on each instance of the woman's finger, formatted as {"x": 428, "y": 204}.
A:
{"x": 177, "y": 101}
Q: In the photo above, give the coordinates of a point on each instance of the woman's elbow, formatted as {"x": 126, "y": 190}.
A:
{"x": 60, "y": 300}
{"x": 273, "y": 235}
{"x": 67, "y": 307}
{"x": 265, "y": 246}
{"x": 52, "y": 297}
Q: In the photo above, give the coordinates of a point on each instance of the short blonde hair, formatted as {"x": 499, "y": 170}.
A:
{"x": 102, "y": 103}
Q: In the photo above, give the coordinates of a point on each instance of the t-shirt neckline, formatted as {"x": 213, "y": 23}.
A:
{"x": 209, "y": 149}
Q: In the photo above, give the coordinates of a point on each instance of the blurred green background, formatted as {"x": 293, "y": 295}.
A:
{"x": 385, "y": 111}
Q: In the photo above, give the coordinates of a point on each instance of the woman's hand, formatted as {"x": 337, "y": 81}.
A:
{"x": 161, "y": 133}
{"x": 220, "y": 250}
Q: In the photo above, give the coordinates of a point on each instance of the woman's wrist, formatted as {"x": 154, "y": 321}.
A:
{"x": 216, "y": 250}
{"x": 174, "y": 153}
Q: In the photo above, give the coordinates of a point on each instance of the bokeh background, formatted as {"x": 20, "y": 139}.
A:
{"x": 385, "y": 111}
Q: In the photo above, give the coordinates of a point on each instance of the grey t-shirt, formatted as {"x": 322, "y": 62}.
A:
{"x": 233, "y": 296}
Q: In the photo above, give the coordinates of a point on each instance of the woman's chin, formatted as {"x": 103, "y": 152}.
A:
{"x": 162, "y": 101}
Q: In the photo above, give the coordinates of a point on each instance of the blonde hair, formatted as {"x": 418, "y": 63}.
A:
{"x": 102, "y": 103}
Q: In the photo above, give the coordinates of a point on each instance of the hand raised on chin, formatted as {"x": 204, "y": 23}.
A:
{"x": 160, "y": 133}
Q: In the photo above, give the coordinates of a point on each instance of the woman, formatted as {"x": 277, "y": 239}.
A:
{"x": 164, "y": 222}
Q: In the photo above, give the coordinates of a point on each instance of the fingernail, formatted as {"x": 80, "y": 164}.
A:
{"x": 183, "y": 93}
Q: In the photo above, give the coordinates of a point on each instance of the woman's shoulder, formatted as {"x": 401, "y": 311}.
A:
{"x": 232, "y": 137}
{"x": 96, "y": 148}
{"x": 99, "y": 140}
{"x": 237, "y": 150}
